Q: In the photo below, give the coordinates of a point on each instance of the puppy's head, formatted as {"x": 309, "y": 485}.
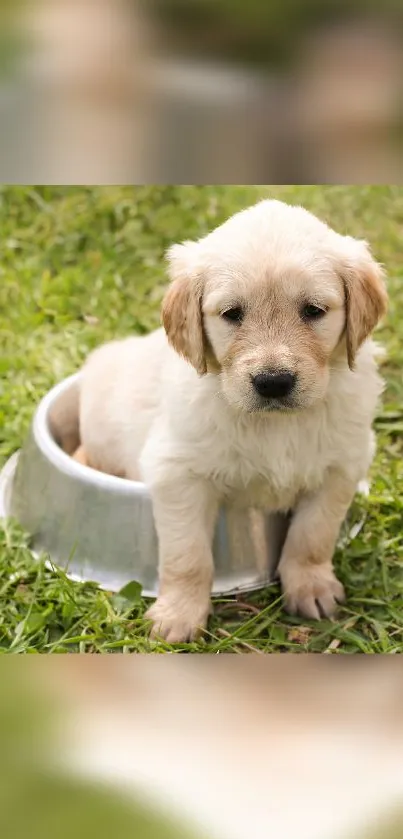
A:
{"x": 270, "y": 300}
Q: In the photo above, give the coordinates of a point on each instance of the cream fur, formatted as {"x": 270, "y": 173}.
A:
{"x": 197, "y": 436}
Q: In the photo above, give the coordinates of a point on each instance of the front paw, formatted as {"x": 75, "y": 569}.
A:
{"x": 178, "y": 620}
{"x": 311, "y": 591}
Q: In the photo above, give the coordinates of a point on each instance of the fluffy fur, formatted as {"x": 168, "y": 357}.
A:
{"x": 179, "y": 410}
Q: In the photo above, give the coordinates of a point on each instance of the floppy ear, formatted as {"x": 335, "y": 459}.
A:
{"x": 181, "y": 308}
{"x": 366, "y": 297}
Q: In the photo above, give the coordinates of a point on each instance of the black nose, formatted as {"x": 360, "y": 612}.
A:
{"x": 274, "y": 385}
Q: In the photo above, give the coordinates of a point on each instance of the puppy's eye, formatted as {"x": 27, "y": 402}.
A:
{"x": 234, "y": 315}
{"x": 311, "y": 312}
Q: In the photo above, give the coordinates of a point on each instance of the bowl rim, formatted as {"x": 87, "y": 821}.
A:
{"x": 63, "y": 462}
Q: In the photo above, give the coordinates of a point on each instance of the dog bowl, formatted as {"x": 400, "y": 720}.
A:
{"x": 98, "y": 527}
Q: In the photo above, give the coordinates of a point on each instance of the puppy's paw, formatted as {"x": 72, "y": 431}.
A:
{"x": 80, "y": 456}
{"x": 178, "y": 620}
{"x": 311, "y": 591}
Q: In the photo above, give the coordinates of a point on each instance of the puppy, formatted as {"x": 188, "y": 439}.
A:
{"x": 261, "y": 392}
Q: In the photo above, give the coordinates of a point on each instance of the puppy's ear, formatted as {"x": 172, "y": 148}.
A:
{"x": 181, "y": 308}
{"x": 366, "y": 297}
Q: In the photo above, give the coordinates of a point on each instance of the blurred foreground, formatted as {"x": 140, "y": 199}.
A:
{"x": 179, "y": 747}
{"x": 101, "y": 91}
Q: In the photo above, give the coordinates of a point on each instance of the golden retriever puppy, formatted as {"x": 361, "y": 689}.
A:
{"x": 261, "y": 392}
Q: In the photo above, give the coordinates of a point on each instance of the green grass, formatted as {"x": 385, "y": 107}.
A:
{"x": 79, "y": 266}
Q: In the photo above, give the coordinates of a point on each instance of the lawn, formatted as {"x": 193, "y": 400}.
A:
{"x": 80, "y": 265}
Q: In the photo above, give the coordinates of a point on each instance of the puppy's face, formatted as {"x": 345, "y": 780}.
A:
{"x": 270, "y": 300}
{"x": 273, "y": 329}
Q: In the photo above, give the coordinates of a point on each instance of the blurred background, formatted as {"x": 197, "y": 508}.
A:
{"x": 186, "y": 748}
{"x": 219, "y": 91}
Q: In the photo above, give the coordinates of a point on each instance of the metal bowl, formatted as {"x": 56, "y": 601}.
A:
{"x": 99, "y": 527}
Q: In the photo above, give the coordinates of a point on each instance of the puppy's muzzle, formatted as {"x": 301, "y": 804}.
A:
{"x": 276, "y": 384}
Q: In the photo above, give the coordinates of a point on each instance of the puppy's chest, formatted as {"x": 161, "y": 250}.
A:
{"x": 268, "y": 469}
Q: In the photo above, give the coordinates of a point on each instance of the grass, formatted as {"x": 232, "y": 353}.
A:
{"x": 80, "y": 265}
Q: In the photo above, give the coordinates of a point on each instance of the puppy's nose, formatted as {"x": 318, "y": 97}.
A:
{"x": 274, "y": 385}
